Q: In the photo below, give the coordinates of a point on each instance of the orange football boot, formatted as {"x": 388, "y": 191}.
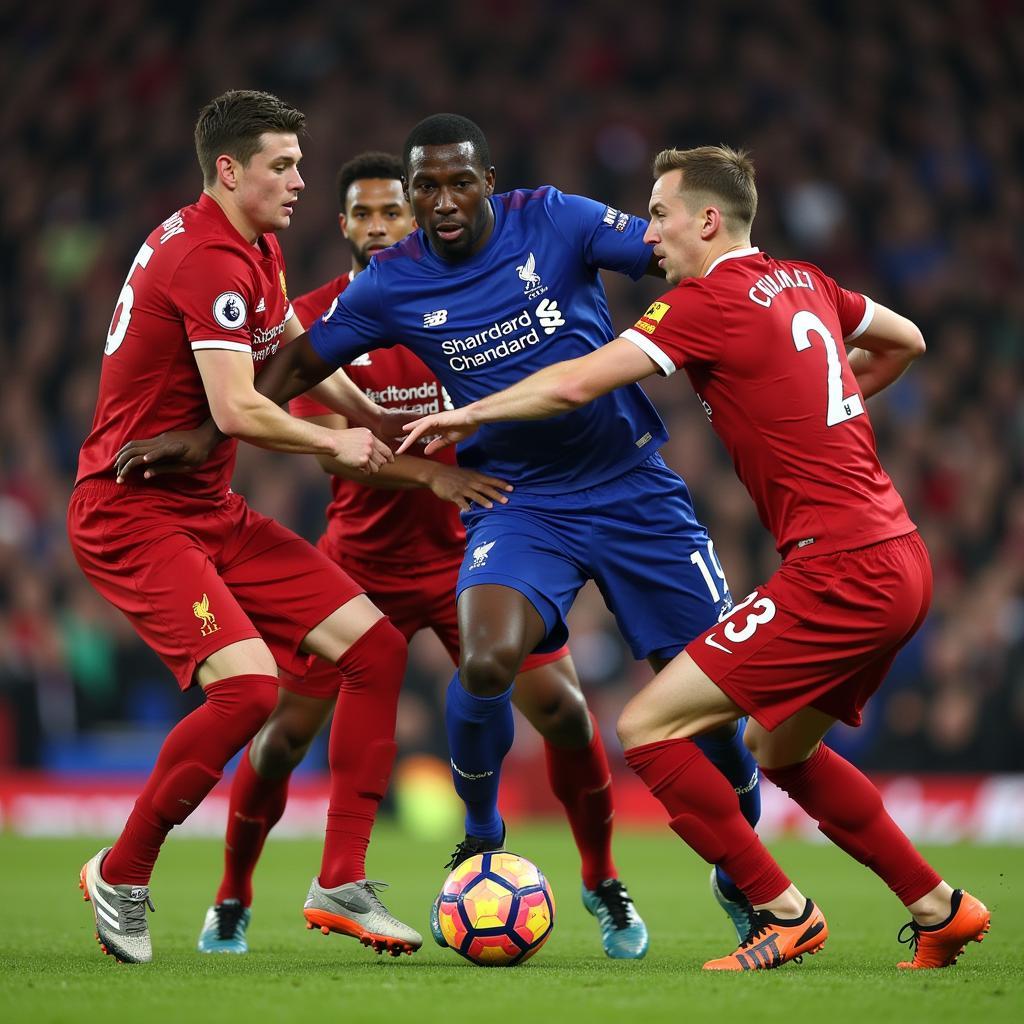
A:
{"x": 774, "y": 941}
{"x": 939, "y": 945}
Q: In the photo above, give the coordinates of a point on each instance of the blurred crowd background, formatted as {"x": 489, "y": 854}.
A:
{"x": 889, "y": 144}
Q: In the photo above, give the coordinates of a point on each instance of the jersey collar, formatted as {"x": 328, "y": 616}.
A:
{"x": 735, "y": 254}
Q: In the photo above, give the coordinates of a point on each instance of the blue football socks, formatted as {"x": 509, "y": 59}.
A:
{"x": 737, "y": 764}
{"x": 480, "y": 733}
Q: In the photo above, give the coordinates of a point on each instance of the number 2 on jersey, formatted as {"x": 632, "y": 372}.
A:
{"x": 840, "y": 407}
{"x": 125, "y": 301}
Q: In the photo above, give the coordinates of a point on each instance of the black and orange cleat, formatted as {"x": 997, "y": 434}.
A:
{"x": 939, "y": 945}
{"x": 772, "y": 941}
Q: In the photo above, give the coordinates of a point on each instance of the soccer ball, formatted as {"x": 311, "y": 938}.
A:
{"x": 496, "y": 909}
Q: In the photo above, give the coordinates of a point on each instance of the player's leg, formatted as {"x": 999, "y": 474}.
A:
{"x": 498, "y": 627}
{"x": 658, "y": 571}
{"x": 170, "y": 591}
{"x": 548, "y": 693}
{"x": 657, "y": 729}
{"x": 849, "y": 810}
{"x": 305, "y": 604}
{"x": 256, "y": 804}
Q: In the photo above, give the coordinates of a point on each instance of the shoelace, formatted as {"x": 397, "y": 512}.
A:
{"x": 911, "y": 940}
{"x": 758, "y": 928}
{"x": 469, "y": 847}
{"x": 133, "y": 912}
{"x": 617, "y": 902}
{"x": 228, "y": 916}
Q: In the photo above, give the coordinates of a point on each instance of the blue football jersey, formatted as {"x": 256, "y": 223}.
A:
{"x": 531, "y": 297}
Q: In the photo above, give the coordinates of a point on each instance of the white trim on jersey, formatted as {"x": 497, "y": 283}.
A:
{"x": 735, "y": 254}
{"x": 865, "y": 321}
{"x": 647, "y": 346}
{"x": 290, "y": 313}
{"x": 232, "y": 346}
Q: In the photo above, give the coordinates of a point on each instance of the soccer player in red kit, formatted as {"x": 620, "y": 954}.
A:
{"x": 224, "y": 595}
{"x": 397, "y": 540}
{"x": 764, "y": 343}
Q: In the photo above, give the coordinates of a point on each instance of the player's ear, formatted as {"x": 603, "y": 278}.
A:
{"x": 405, "y": 189}
{"x": 227, "y": 171}
{"x": 711, "y": 224}
{"x": 489, "y": 179}
{"x": 343, "y": 225}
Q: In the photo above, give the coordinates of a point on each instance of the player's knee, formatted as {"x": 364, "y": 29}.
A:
{"x": 756, "y": 740}
{"x": 634, "y": 727}
{"x": 490, "y": 670}
{"x": 563, "y": 719}
{"x": 280, "y": 745}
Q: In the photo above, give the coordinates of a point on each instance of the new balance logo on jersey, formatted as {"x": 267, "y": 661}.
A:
{"x": 549, "y": 315}
{"x": 435, "y": 319}
{"x": 261, "y": 306}
{"x": 480, "y": 553}
{"x": 363, "y": 360}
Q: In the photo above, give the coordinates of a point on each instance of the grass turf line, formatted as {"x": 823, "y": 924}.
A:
{"x": 52, "y": 971}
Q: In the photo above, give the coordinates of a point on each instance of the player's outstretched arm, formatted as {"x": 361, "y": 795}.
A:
{"x": 888, "y": 346}
{"x": 556, "y": 389}
{"x": 240, "y": 411}
{"x": 449, "y": 483}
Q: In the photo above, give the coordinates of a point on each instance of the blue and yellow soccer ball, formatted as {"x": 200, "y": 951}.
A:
{"x": 496, "y": 909}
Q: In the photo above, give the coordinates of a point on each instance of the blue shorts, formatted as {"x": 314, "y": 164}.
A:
{"x": 636, "y": 536}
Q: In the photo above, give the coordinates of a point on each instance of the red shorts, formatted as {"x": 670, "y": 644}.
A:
{"x": 822, "y": 632}
{"x": 193, "y": 582}
{"x": 415, "y": 601}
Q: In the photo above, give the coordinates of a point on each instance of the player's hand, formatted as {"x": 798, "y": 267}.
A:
{"x": 450, "y": 427}
{"x": 174, "y": 451}
{"x": 390, "y": 424}
{"x": 467, "y": 486}
{"x": 358, "y": 449}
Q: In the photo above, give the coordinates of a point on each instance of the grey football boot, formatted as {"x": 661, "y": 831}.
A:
{"x": 120, "y": 913}
{"x": 355, "y": 909}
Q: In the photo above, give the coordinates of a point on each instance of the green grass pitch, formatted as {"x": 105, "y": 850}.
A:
{"x": 52, "y": 970}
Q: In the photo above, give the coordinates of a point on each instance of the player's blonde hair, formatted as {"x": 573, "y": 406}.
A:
{"x": 719, "y": 175}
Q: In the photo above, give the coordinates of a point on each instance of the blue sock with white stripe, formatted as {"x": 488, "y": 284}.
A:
{"x": 480, "y": 733}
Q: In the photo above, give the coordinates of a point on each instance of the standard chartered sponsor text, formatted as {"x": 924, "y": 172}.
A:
{"x": 498, "y": 341}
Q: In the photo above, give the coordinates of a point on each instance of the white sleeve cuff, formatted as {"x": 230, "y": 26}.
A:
{"x": 865, "y": 321}
{"x": 290, "y": 313}
{"x": 231, "y": 346}
{"x": 647, "y": 346}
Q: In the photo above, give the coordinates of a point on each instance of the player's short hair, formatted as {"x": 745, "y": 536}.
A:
{"x": 720, "y": 173}
{"x": 366, "y": 165}
{"x": 447, "y": 130}
{"x": 234, "y": 122}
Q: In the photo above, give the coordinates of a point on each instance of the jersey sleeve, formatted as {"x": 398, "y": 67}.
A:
{"x": 213, "y": 290}
{"x": 353, "y": 323}
{"x": 683, "y": 326}
{"x": 608, "y": 238}
{"x": 855, "y": 311}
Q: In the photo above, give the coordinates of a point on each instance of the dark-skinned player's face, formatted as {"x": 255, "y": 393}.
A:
{"x": 448, "y": 189}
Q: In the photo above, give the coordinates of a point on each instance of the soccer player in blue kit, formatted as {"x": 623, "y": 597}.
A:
{"x": 489, "y": 289}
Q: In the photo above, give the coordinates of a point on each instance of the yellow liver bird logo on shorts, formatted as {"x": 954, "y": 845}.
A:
{"x": 201, "y": 610}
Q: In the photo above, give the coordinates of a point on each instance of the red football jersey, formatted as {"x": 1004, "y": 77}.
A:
{"x": 762, "y": 343}
{"x": 410, "y": 528}
{"x": 195, "y": 284}
{"x": 315, "y": 303}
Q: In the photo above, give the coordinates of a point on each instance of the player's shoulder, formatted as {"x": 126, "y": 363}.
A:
{"x": 412, "y": 248}
{"x": 521, "y": 199}
{"x": 193, "y": 236}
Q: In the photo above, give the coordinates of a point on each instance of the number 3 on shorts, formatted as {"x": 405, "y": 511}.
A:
{"x": 762, "y": 611}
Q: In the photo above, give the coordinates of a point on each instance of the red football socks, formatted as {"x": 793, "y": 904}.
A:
{"x": 256, "y": 807}
{"x": 362, "y": 748}
{"x": 705, "y": 813}
{"x": 582, "y": 781}
{"x": 189, "y": 765}
{"x": 849, "y": 811}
